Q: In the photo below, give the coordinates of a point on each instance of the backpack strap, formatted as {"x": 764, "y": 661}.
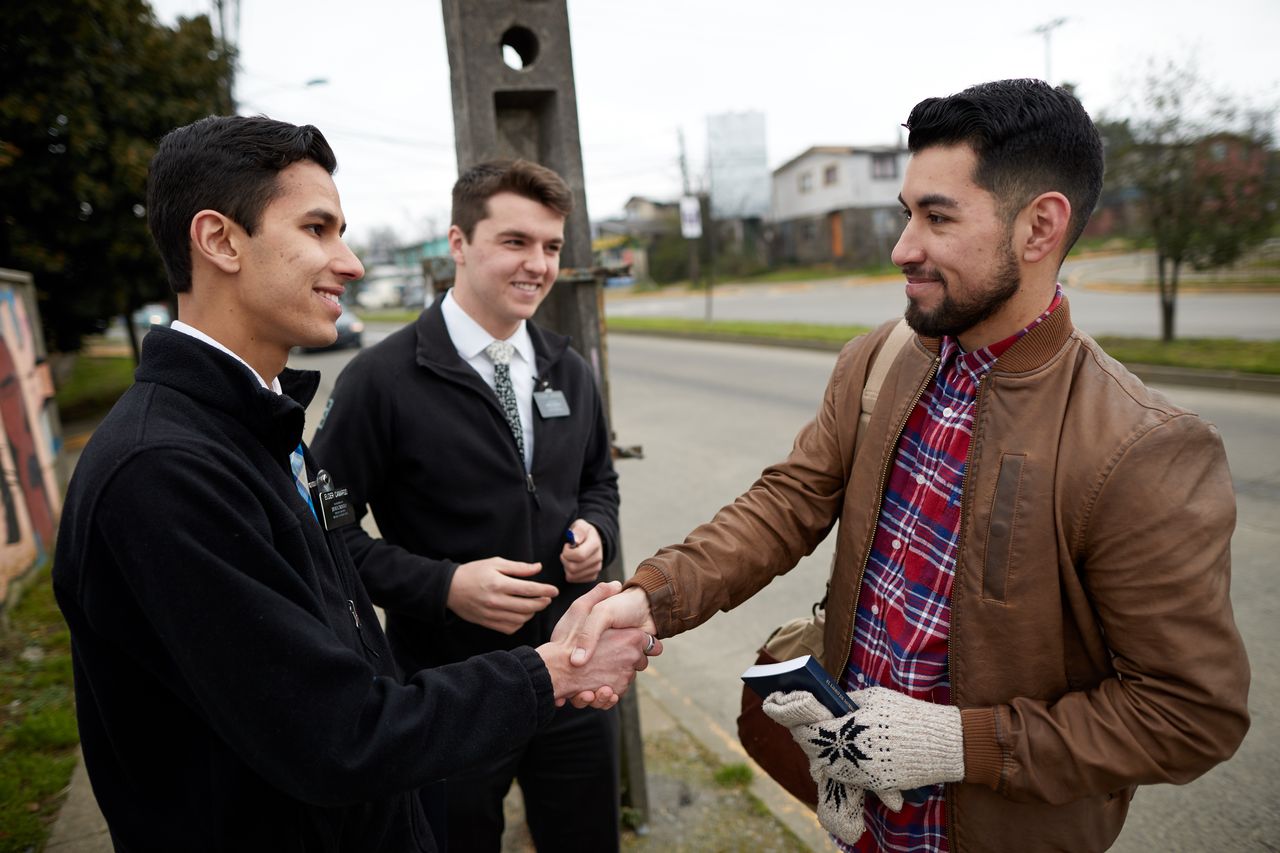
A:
{"x": 879, "y": 367}
{"x": 876, "y": 372}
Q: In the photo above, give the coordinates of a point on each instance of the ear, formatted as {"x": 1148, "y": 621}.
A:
{"x": 215, "y": 239}
{"x": 456, "y": 241}
{"x": 1047, "y": 218}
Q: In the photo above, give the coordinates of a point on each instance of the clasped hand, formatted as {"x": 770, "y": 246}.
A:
{"x": 620, "y": 653}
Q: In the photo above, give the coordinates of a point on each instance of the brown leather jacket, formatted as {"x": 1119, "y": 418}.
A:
{"x": 1092, "y": 646}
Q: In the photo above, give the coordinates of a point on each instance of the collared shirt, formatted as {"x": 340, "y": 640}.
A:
{"x": 903, "y": 617}
{"x": 470, "y": 339}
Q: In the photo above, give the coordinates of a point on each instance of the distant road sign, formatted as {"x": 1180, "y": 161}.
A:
{"x": 690, "y": 217}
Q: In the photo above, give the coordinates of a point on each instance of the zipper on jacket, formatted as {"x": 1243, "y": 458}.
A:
{"x": 884, "y": 479}
{"x": 532, "y": 488}
{"x": 347, "y": 588}
{"x": 949, "y": 790}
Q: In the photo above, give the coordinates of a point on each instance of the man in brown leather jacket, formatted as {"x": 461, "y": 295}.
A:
{"x": 1030, "y": 600}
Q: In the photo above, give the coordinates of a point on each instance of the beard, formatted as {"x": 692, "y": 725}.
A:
{"x": 955, "y": 316}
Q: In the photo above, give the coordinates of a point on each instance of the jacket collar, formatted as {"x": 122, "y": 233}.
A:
{"x": 1033, "y": 349}
{"x": 435, "y": 348}
{"x": 216, "y": 380}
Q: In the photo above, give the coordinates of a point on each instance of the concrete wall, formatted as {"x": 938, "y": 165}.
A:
{"x": 30, "y": 494}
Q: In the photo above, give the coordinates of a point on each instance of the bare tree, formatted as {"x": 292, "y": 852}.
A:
{"x": 1201, "y": 165}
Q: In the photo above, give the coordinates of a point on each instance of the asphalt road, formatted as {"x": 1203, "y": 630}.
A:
{"x": 1096, "y": 311}
{"x": 710, "y": 417}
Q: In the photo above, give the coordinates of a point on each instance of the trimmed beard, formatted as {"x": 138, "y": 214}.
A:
{"x": 953, "y": 318}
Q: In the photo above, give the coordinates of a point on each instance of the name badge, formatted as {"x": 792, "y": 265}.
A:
{"x": 335, "y": 508}
{"x": 551, "y": 404}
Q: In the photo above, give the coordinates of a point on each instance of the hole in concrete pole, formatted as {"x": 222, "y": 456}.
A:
{"x": 519, "y": 48}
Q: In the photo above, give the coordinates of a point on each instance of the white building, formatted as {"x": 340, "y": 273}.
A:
{"x": 837, "y": 203}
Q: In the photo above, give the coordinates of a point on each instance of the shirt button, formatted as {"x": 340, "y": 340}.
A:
{"x": 861, "y": 679}
{"x": 948, "y": 412}
{"x": 920, "y": 479}
{"x": 875, "y": 610}
{"x": 896, "y": 545}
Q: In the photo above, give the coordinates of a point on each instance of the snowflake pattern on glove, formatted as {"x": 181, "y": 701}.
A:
{"x": 834, "y": 793}
{"x": 839, "y": 745}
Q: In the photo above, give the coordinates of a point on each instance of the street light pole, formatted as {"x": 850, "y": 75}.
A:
{"x": 1046, "y": 30}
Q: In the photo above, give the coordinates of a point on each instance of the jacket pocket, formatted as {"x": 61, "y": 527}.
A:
{"x": 1000, "y": 528}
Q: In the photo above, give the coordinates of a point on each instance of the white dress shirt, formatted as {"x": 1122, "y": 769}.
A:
{"x": 469, "y": 339}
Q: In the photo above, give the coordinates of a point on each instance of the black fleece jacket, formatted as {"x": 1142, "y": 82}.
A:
{"x": 417, "y": 436}
{"x": 227, "y": 698}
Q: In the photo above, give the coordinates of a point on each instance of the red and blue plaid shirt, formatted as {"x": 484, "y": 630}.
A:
{"x": 904, "y": 609}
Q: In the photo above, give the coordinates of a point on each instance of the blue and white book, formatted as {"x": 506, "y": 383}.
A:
{"x": 802, "y": 673}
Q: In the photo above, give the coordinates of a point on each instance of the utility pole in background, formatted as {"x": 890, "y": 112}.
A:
{"x": 511, "y": 69}
{"x": 1046, "y": 29}
{"x": 692, "y": 215}
{"x": 228, "y": 42}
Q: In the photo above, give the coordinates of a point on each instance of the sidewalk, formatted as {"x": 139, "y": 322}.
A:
{"x": 688, "y": 809}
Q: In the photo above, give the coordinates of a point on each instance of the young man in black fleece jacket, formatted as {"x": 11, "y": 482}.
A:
{"x": 234, "y": 690}
{"x": 473, "y": 498}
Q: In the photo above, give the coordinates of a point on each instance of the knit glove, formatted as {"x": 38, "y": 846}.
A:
{"x": 839, "y": 805}
{"x": 892, "y": 743}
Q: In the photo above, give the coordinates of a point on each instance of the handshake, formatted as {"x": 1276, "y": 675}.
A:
{"x": 591, "y": 661}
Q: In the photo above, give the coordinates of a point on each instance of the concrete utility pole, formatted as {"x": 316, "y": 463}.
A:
{"x": 1046, "y": 29}
{"x": 511, "y": 69}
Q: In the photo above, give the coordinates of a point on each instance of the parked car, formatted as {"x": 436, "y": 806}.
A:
{"x": 151, "y": 314}
{"x": 350, "y": 332}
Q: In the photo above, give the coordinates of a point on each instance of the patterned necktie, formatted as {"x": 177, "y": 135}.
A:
{"x": 500, "y": 353}
{"x": 300, "y": 477}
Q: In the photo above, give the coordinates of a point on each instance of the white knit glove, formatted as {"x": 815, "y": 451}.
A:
{"x": 892, "y": 743}
{"x": 839, "y": 805}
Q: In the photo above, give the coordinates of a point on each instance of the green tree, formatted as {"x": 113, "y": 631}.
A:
{"x": 1198, "y": 163}
{"x": 90, "y": 87}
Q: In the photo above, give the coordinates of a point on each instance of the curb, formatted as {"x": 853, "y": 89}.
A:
{"x": 659, "y": 693}
{"x": 1224, "y": 380}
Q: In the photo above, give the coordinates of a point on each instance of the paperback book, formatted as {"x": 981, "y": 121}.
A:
{"x": 802, "y": 673}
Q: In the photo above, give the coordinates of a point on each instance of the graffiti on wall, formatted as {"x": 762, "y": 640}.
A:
{"x": 30, "y": 499}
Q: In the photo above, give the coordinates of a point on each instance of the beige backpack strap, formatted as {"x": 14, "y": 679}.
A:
{"x": 876, "y": 371}
{"x": 880, "y": 364}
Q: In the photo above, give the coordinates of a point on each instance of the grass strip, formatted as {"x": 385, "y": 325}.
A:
{"x": 1224, "y": 354}
{"x": 94, "y": 385}
{"x": 807, "y": 332}
{"x": 38, "y": 732}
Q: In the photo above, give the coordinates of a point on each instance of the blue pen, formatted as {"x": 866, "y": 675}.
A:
{"x": 570, "y": 538}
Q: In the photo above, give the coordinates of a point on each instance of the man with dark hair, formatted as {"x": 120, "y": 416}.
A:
{"x": 479, "y": 442}
{"x": 1029, "y": 599}
{"x": 233, "y": 688}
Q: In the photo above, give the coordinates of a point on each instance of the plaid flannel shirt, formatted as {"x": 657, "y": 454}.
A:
{"x": 904, "y": 608}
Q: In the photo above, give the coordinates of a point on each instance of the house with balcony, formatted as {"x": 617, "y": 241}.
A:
{"x": 837, "y": 204}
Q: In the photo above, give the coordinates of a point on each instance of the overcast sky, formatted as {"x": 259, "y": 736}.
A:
{"x": 823, "y": 72}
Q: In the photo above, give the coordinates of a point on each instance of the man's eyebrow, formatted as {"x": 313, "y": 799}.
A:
{"x": 524, "y": 235}
{"x": 931, "y": 200}
{"x": 327, "y": 217}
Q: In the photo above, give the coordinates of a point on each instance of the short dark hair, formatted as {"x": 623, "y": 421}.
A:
{"x": 1029, "y": 138}
{"x": 225, "y": 163}
{"x": 483, "y": 181}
